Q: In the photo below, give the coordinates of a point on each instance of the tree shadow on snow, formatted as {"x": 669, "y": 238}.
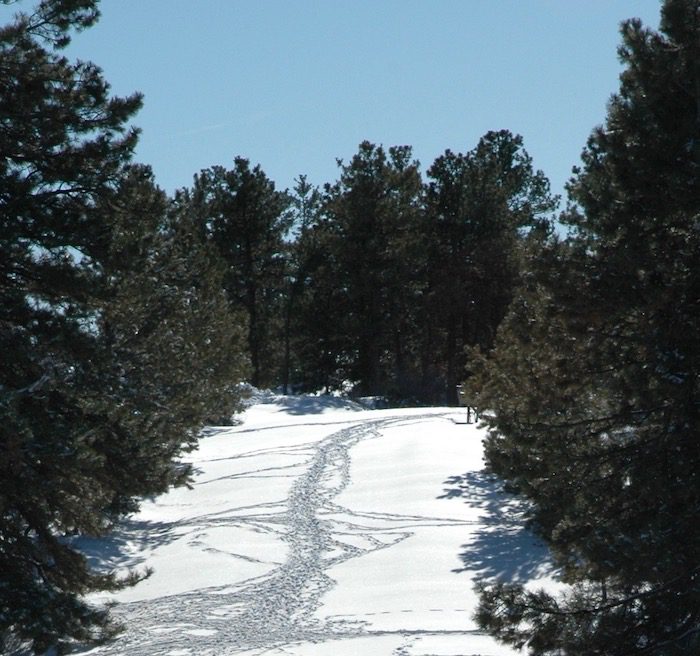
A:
{"x": 502, "y": 547}
{"x": 312, "y": 405}
{"x": 126, "y": 546}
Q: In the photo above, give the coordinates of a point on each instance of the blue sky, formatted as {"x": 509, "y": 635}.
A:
{"x": 295, "y": 84}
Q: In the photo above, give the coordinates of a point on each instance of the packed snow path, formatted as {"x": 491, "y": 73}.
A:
{"x": 339, "y": 547}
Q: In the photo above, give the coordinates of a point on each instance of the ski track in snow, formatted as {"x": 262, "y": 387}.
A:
{"x": 264, "y": 614}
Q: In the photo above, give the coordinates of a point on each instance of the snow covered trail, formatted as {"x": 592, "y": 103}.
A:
{"x": 333, "y": 535}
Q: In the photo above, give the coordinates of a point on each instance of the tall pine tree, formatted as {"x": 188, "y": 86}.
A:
{"x": 300, "y": 256}
{"x": 480, "y": 206}
{"x": 247, "y": 220}
{"x": 85, "y": 430}
{"x": 594, "y": 381}
{"x": 368, "y": 248}
{"x": 63, "y": 142}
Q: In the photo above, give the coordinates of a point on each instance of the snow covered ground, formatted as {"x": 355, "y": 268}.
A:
{"x": 317, "y": 528}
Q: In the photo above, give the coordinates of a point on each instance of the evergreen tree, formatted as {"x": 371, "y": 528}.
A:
{"x": 298, "y": 348}
{"x": 84, "y": 432}
{"x": 63, "y": 142}
{"x": 480, "y": 207}
{"x": 594, "y": 381}
{"x": 166, "y": 319}
{"x": 367, "y": 243}
{"x": 247, "y": 219}
{"x": 320, "y": 331}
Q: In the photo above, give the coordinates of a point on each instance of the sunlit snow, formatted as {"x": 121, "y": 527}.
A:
{"x": 318, "y": 528}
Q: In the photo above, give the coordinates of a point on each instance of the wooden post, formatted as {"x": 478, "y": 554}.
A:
{"x": 464, "y": 403}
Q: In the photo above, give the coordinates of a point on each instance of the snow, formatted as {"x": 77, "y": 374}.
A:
{"x": 318, "y": 528}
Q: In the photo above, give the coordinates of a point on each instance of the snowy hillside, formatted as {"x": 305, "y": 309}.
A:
{"x": 316, "y": 528}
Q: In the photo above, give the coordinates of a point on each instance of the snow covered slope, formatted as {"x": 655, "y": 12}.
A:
{"x": 317, "y": 528}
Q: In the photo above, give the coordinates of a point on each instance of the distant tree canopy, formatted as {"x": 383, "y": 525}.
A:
{"x": 241, "y": 214}
{"x": 594, "y": 379}
{"x": 482, "y": 209}
{"x": 401, "y": 276}
{"x": 378, "y": 282}
{"x": 361, "y": 277}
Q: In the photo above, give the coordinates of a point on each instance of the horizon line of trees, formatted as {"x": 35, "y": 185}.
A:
{"x": 378, "y": 281}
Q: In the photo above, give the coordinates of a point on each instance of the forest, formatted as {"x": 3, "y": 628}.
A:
{"x": 130, "y": 317}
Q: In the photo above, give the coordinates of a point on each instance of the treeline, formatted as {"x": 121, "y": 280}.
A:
{"x": 379, "y": 280}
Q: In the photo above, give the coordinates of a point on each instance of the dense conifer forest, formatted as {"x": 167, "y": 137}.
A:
{"x": 129, "y": 318}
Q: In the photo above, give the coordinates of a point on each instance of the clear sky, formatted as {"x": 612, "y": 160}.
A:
{"x": 295, "y": 84}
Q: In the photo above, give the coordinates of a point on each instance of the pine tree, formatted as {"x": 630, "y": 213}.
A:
{"x": 300, "y": 254}
{"x": 368, "y": 237}
{"x": 319, "y": 330}
{"x": 594, "y": 380}
{"x": 480, "y": 207}
{"x": 175, "y": 348}
{"x": 247, "y": 219}
{"x": 63, "y": 142}
{"x": 84, "y": 431}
